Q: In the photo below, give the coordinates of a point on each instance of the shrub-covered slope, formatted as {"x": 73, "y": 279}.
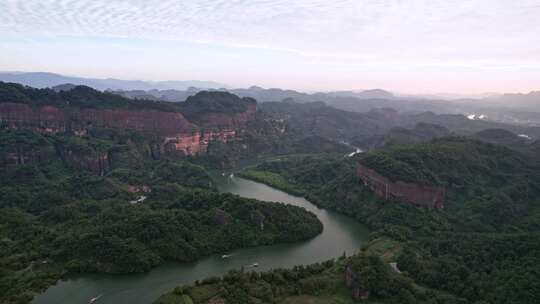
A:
{"x": 59, "y": 215}
{"x": 483, "y": 247}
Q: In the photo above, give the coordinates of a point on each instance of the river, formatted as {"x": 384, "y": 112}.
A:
{"x": 340, "y": 234}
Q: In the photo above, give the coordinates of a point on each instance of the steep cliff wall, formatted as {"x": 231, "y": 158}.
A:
{"x": 51, "y": 119}
{"x": 421, "y": 195}
{"x": 19, "y": 156}
{"x": 96, "y": 162}
{"x": 177, "y": 133}
{"x": 24, "y": 148}
{"x": 197, "y": 142}
{"x": 222, "y": 120}
{"x": 219, "y": 110}
{"x": 86, "y": 128}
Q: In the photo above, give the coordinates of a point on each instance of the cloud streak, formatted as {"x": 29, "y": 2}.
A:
{"x": 441, "y": 27}
{"x": 415, "y": 33}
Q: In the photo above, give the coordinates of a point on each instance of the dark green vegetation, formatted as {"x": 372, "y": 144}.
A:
{"x": 316, "y": 283}
{"x": 58, "y": 217}
{"x": 79, "y": 96}
{"x": 484, "y": 247}
{"x": 210, "y": 102}
{"x": 318, "y": 119}
{"x": 379, "y": 126}
{"x": 114, "y": 201}
{"x": 257, "y": 133}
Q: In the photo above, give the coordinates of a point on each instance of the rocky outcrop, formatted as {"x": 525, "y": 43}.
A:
{"x": 93, "y": 161}
{"x": 221, "y": 217}
{"x": 139, "y": 189}
{"x": 82, "y": 116}
{"x": 352, "y": 281}
{"x": 38, "y": 150}
{"x": 50, "y": 119}
{"x": 258, "y": 219}
{"x": 221, "y": 120}
{"x": 217, "y": 110}
{"x": 421, "y": 195}
{"x": 24, "y": 148}
{"x": 197, "y": 142}
{"x": 21, "y": 157}
{"x": 177, "y": 134}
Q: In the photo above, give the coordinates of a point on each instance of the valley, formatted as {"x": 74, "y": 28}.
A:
{"x": 340, "y": 234}
{"x": 269, "y": 152}
{"x": 146, "y": 201}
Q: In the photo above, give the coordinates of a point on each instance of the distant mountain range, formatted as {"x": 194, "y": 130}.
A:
{"x": 47, "y": 80}
{"x": 507, "y": 108}
{"x": 174, "y": 90}
{"x": 529, "y": 101}
{"x": 261, "y": 94}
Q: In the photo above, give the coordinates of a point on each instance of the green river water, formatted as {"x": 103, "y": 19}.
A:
{"x": 341, "y": 234}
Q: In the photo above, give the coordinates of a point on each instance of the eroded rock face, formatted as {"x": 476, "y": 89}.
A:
{"x": 95, "y": 162}
{"x": 49, "y": 119}
{"x": 21, "y": 157}
{"x": 421, "y": 195}
{"x": 22, "y": 150}
{"x": 221, "y": 120}
{"x": 46, "y": 119}
{"x": 176, "y": 132}
{"x": 221, "y": 218}
{"x": 197, "y": 142}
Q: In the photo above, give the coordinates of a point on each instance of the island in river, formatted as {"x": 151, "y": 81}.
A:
{"x": 340, "y": 234}
{"x": 96, "y": 183}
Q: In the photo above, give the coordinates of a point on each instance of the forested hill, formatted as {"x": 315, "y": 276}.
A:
{"x": 486, "y": 183}
{"x": 385, "y": 126}
{"x": 483, "y": 246}
{"x": 86, "y": 97}
{"x": 451, "y": 162}
{"x": 78, "y": 96}
{"x": 220, "y": 102}
{"x": 79, "y": 204}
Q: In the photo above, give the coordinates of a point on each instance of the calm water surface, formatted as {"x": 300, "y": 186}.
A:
{"x": 340, "y": 234}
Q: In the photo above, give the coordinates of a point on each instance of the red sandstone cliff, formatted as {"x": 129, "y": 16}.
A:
{"x": 228, "y": 121}
{"x": 18, "y": 156}
{"x": 177, "y": 133}
{"x": 52, "y": 119}
{"x": 96, "y": 162}
{"x": 421, "y": 195}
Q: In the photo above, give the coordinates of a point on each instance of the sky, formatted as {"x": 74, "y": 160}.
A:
{"x": 408, "y": 46}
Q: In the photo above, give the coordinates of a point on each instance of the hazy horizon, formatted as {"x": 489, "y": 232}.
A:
{"x": 441, "y": 95}
{"x": 412, "y": 47}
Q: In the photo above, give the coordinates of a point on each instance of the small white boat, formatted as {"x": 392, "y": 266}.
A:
{"x": 255, "y": 265}
{"x": 94, "y": 300}
{"x": 225, "y": 256}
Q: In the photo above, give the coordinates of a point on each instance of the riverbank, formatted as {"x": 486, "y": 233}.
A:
{"x": 381, "y": 280}
{"x": 174, "y": 224}
{"x": 278, "y": 181}
{"x": 271, "y": 179}
{"x": 340, "y": 234}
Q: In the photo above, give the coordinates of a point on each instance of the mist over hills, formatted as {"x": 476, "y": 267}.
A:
{"x": 175, "y": 90}
{"x": 529, "y": 101}
{"x": 506, "y": 108}
{"x": 45, "y": 80}
{"x": 55, "y": 142}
